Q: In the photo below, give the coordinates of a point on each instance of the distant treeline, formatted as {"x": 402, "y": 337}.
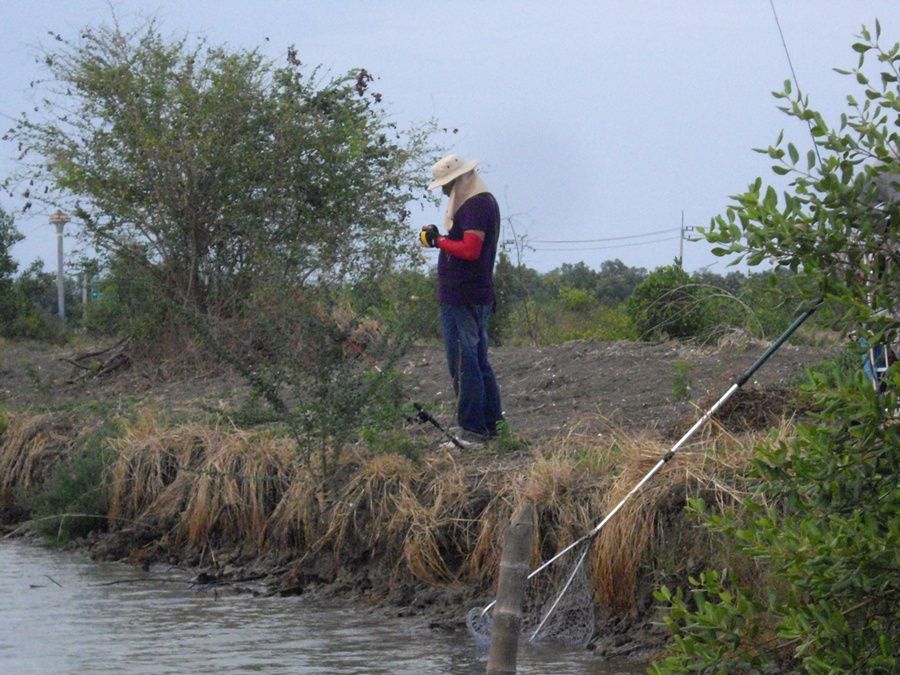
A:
{"x": 618, "y": 302}
{"x": 573, "y": 301}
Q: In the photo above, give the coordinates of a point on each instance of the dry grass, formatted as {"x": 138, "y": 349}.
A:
{"x": 565, "y": 482}
{"x": 494, "y": 496}
{"x": 439, "y": 534}
{"x": 199, "y": 482}
{"x": 371, "y": 510}
{"x": 236, "y": 489}
{"x": 438, "y": 521}
{"x": 29, "y": 447}
{"x": 149, "y": 458}
{"x": 707, "y": 469}
{"x": 297, "y": 520}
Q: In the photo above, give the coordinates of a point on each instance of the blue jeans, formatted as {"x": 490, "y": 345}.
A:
{"x": 466, "y": 342}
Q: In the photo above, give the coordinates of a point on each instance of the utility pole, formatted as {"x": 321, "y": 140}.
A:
{"x": 60, "y": 219}
{"x": 689, "y": 228}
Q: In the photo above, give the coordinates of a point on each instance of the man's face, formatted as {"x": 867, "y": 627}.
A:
{"x": 446, "y": 189}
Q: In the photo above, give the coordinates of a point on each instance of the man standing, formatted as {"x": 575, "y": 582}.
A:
{"x": 466, "y": 292}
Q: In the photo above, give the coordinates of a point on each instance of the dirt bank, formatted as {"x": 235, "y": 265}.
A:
{"x": 583, "y": 385}
{"x": 418, "y": 536}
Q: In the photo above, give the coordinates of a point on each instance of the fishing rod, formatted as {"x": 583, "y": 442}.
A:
{"x": 424, "y": 416}
{"x": 589, "y": 536}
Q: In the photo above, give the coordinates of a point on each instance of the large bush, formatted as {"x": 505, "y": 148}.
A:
{"x": 29, "y": 306}
{"x": 9, "y": 235}
{"x": 206, "y": 167}
{"x": 253, "y": 207}
{"x": 823, "y": 525}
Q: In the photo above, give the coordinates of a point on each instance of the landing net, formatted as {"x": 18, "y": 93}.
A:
{"x": 571, "y": 622}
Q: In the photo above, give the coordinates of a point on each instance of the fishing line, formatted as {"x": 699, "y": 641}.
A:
{"x": 794, "y": 75}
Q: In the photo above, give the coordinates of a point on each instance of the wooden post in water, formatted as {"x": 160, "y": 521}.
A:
{"x": 507, "y": 613}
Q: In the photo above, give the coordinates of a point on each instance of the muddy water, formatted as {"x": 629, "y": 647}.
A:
{"x": 62, "y": 613}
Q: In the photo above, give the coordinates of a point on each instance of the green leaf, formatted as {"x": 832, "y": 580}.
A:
{"x": 755, "y": 258}
{"x": 861, "y": 47}
{"x": 792, "y": 151}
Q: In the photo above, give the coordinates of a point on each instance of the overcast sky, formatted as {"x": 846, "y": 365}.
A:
{"x": 592, "y": 120}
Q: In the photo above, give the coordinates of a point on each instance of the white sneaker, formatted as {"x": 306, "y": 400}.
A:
{"x": 467, "y": 439}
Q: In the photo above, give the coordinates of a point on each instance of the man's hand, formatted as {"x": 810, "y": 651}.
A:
{"x": 429, "y": 236}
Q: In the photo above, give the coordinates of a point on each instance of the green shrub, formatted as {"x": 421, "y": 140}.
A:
{"x": 667, "y": 304}
{"x": 557, "y": 324}
{"x": 681, "y": 381}
{"x": 391, "y": 442}
{"x": 506, "y": 441}
{"x": 414, "y": 295}
{"x": 35, "y": 323}
{"x": 76, "y": 485}
{"x": 826, "y": 525}
{"x": 576, "y": 299}
{"x": 105, "y": 315}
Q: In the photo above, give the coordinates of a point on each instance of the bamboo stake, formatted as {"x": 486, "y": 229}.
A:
{"x": 507, "y": 619}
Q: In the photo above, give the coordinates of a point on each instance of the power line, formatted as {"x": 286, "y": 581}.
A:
{"x": 603, "y": 248}
{"x": 602, "y": 239}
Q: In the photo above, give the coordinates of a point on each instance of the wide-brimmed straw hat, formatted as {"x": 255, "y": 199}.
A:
{"x": 450, "y": 168}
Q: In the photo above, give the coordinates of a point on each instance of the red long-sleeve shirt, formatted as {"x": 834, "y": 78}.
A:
{"x": 468, "y": 248}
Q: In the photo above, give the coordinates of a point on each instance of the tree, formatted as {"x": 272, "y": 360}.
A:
{"x": 578, "y": 276}
{"x": 730, "y": 283}
{"x": 515, "y": 287}
{"x": 206, "y": 167}
{"x": 836, "y": 225}
{"x": 9, "y": 235}
{"x": 822, "y": 526}
{"x": 616, "y": 281}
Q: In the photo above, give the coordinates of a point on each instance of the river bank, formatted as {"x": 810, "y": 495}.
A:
{"x": 413, "y": 527}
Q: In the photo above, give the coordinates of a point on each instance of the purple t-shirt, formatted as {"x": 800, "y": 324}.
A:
{"x": 471, "y": 282}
